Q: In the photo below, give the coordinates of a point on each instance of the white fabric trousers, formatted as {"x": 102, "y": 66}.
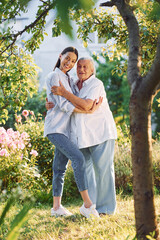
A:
{"x": 101, "y": 175}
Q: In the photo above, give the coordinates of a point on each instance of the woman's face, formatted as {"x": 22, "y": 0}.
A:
{"x": 68, "y": 61}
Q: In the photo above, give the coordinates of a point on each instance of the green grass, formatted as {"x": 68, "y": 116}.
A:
{"x": 41, "y": 226}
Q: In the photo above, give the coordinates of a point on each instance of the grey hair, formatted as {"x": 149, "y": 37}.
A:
{"x": 91, "y": 61}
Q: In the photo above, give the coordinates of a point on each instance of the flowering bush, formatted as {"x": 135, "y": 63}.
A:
{"x": 34, "y": 126}
{"x": 17, "y": 159}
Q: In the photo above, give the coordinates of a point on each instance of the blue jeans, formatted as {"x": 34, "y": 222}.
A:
{"x": 64, "y": 151}
{"x": 101, "y": 176}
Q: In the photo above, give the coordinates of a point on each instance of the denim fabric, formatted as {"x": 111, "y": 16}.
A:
{"x": 64, "y": 151}
{"x": 101, "y": 176}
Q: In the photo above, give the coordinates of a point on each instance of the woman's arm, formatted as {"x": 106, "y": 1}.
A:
{"x": 83, "y": 104}
{"x": 95, "y": 106}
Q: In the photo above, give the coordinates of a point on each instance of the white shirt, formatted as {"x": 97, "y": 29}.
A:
{"x": 92, "y": 129}
{"x": 58, "y": 118}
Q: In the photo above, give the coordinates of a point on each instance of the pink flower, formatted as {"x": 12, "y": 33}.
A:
{"x": 34, "y": 152}
{"x": 11, "y": 145}
{"x": 21, "y": 145}
{"x": 24, "y": 135}
{"x": 2, "y": 130}
{"x": 32, "y": 113}
{"x": 3, "y": 152}
{"x": 18, "y": 118}
{"x": 25, "y": 113}
{"x": 16, "y": 135}
{"x": 10, "y": 131}
{"x": 4, "y": 138}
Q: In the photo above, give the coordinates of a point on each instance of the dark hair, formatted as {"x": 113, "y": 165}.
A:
{"x": 68, "y": 49}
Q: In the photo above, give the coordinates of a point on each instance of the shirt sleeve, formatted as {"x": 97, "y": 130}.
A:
{"x": 60, "y": 102}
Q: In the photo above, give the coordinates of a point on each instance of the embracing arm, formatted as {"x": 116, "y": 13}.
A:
{"x": 94, "y": 107}
{"x": 83, "y": 104}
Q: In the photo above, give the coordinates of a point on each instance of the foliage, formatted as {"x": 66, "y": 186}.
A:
{"x": 110, "y": 26}
{"x": 17, "y": 81}
{"x": 70, "y": 191}
{"x": 35, "y": 129}
{"x": 14, "y": 157}
{"x": 10, "y": 10}
{"x": 123, "y": 162}
{"x": 156, "y": 114}
{"x": 156, "y": 164}
{"x": 35, "y": 103}
{"x": 20, "y": 218}
{"x": 18, "y": 162}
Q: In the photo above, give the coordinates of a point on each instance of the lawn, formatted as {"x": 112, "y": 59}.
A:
{"x": 41, "y": 226}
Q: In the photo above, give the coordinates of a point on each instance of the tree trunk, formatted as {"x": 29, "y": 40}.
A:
{"x": 140, "y": 122}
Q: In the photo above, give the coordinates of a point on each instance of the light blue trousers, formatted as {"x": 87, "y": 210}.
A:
{"x": 101, "y": 176}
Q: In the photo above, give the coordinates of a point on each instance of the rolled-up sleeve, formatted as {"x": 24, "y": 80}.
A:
{"x": 59, "y": 101}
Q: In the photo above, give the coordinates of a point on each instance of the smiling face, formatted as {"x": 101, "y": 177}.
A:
{"x": 68, "y": 61}
{"x": 85, "y": 69}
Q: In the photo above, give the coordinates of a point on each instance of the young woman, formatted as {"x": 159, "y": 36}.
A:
{"x": 57, "y": 129}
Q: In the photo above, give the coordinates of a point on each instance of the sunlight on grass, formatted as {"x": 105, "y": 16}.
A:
{"x": 41, "y": 226}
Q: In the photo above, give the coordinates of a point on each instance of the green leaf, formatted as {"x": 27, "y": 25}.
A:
{"x": 6, "y": 209}
{"x": 18, "y": 222}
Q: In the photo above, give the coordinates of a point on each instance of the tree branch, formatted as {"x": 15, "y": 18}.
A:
{"x": 152, "y": 79}
{"x": 107, "y": 4}
{"x": 30, "y": 26}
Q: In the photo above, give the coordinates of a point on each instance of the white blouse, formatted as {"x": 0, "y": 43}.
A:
{"x": 58, "y": 118}
{"x": 92, "y": 129}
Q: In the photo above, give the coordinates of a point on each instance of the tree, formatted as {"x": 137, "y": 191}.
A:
{"x": 135, "y": 28}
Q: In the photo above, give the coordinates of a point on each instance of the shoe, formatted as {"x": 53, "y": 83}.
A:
{"x": 61, "y": 211}
{"x": 88, "y": 212}
{"x": 102, "y": 214}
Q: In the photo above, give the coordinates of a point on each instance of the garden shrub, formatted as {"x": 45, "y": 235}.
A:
{"x": 18, "y": 161}
{"x": 122, "y": 161}
{"x": 156, "y": 165}
{"x": 35, "y": 103}
{"x": 70, "y": 191}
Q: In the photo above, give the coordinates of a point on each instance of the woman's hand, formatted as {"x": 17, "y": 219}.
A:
{"x": 58, "y": 90}
{"x": 95, "y": 105}
{"x": 49, "y": 105}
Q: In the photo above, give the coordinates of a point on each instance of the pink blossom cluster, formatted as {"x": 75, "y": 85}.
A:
{"x": 12, "y": 141}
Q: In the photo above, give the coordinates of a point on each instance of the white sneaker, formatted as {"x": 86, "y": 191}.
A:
{"x": 61, "y": 211}
{"x": 88, "y": 212}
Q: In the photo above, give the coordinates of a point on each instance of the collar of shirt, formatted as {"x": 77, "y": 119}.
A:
{"x": 62, "y": 74}
{"x": 85, "y": 83}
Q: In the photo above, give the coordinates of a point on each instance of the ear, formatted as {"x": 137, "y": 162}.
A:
{"x": 60, "y": 56}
